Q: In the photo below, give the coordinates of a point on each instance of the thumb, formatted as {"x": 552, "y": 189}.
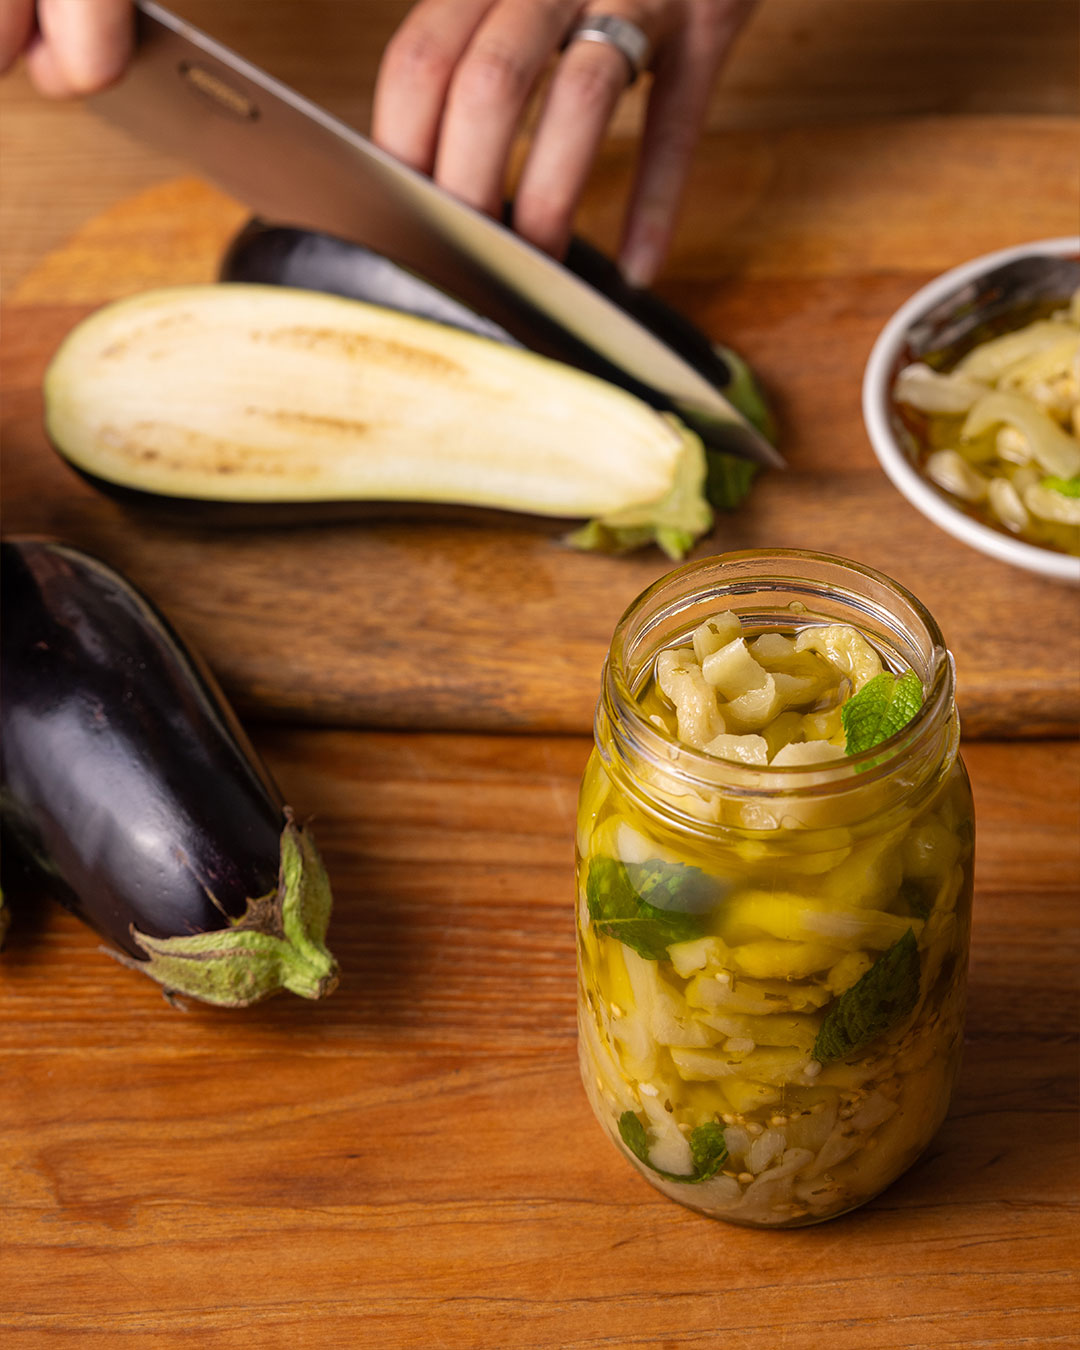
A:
{"x": 83, "y": 44}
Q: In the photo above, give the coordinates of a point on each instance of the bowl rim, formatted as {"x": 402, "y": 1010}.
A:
{"x": 891, "y": 456}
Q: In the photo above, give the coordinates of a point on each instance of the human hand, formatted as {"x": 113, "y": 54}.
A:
{"x": 455, "y": 78}
{"x": 71, "y": 46}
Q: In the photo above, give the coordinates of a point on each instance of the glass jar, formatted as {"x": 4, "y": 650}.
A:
{"x": 773, "y": 1036}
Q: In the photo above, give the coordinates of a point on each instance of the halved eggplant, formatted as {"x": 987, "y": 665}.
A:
{"x": 134, "y": 797}
{"x": 281, "y": 255}
{"x": 263, "y": 394}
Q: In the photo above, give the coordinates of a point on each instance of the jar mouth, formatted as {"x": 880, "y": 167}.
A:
{"x": 891, "y": 616}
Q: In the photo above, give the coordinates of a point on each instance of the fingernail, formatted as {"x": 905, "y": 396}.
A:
{"x": 639, "y": 261}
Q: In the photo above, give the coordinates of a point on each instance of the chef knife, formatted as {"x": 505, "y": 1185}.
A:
{"x": 292, "y": 162}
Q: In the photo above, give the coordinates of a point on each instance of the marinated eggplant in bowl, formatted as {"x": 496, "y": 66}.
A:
{"x": 972, "y": 401}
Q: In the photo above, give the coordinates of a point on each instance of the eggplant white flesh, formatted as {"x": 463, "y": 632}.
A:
{"x": 280, "y": 255}
{"x": 264, "y": 394}
{"x": 129, "y": 792}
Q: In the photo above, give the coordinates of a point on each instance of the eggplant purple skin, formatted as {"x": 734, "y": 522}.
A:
{"x": 126, "y": 784}
{"x": 255, "y": 515}
{"x": 279, "y": 255}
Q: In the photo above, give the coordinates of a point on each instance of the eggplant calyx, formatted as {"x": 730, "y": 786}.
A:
{"x": 673, "y": 523}
{"x": 277, "y": 944}
{"x": 745, "y": 393}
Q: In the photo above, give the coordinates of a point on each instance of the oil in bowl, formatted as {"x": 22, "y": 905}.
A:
{"x": 995, "y": 422}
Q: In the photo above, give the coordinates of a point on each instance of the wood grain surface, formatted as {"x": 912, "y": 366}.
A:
{"x": 413, "y": 1162}
{"x": 797, "y": 246}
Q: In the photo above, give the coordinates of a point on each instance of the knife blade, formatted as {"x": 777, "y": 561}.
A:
{"x": 291, "y": 161}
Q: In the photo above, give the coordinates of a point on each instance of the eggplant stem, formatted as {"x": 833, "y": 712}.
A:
{"x": 277, "y": 944}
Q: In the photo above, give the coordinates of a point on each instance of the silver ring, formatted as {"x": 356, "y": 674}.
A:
{"x": 615, "y": 31}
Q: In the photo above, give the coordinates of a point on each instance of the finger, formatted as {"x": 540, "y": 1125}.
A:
{"x": 488, "y": 94}
{"x": 584, "y": 91}
{"x": 685, "y": 71}
{"x": 84, "y": 45}
{"x": 414, "y": 76}
{"x": 45, "y": 71}
{"x": 16, "y": 30}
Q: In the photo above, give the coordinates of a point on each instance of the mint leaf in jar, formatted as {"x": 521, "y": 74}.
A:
{"x": 881, "y": 707}
{"x": 645, "y": 905}
{"x": 632, "y": 1133}
{"x": 1067, "y": 487}
{"x": 919, "y": 896}
{"x": 879, "y": 1001}
{"x": 707, "y": 1148}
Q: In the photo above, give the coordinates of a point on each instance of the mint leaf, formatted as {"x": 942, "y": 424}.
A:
{"x": 620, "y": 897}
{"x": 881, "y": 707}
{"x": 707, "y": 1148}
{"x": 633, "y": 1135}
{"x": 919, "y": 896}
{"x": 884, "y": 996}
{"x": 1068, "y": 487}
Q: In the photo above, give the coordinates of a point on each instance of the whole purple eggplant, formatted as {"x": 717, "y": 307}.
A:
{"x": 130, "y": 790}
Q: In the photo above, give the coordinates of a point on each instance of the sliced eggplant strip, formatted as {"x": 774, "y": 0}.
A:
{"x": 130, "y": 793}
{"x": 261, "y": 394}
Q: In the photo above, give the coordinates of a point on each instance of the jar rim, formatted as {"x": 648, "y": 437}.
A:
{"x": 699, "y": 767}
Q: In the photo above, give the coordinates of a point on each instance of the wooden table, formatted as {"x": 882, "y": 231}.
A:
{"x": 413, "y": 1163}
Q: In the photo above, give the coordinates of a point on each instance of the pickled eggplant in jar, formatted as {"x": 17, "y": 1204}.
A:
{"x": 775, "y": 869}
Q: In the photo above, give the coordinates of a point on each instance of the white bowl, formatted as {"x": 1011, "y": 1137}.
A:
{"x": 878, "y": 413}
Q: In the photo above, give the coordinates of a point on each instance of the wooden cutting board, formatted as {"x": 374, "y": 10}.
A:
{"x": 796, "y": 248}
